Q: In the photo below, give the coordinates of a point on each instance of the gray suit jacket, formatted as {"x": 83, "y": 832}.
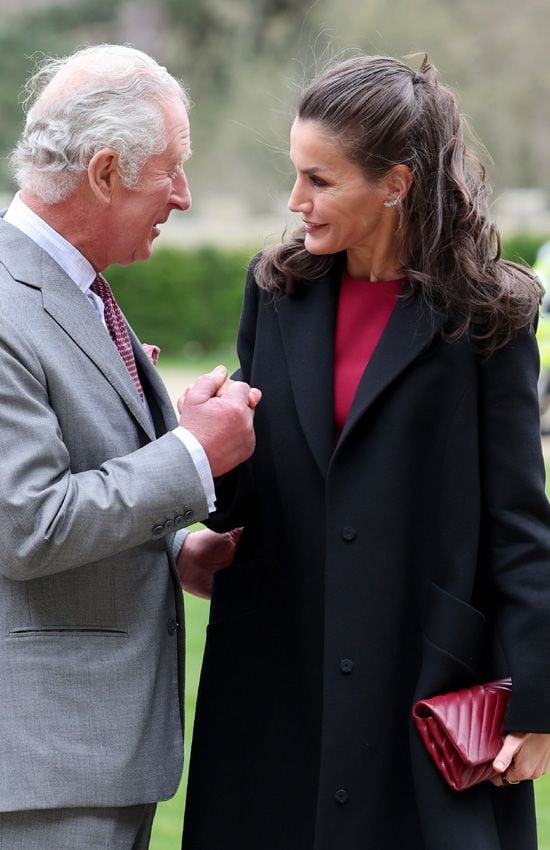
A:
{"x": 90, "y": 653}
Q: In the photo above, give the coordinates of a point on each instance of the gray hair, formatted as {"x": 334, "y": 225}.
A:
{"x": 105, "y": 96}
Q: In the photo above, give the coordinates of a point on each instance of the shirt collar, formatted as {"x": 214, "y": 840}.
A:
{"x": 73, "y": 263}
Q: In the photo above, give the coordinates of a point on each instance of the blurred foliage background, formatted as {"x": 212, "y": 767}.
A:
{"x": 243, "y": 62}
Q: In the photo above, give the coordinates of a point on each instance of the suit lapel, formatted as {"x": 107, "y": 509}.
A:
{"x": 409, "y": 331}
{"x": 158, "y": 399}
{"x": 307, "y": 328}
{"x": 72, "y": 311}
{"x": 70, "y": 308}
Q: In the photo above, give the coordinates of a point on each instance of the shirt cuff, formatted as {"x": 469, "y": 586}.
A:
{"x": 198, "y": 456}
{"x": 179, "y": 540}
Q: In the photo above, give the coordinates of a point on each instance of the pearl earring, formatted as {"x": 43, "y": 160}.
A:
{"x": 392, "y": 202}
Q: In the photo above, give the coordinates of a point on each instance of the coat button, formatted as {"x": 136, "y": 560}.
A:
{"x": 158, "y": 530}
{"x": 349, "y": 533}
{"x": 172, "y": 626}
{"x": 341, "y": 796}
{"x": 169, "y": 524}
{"x": 188, "y": 514}
{"x": 346, "y": 665}
{"x": 179, "y": 519}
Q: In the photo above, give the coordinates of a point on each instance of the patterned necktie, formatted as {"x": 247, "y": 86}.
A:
{"x": 117, "y": 328}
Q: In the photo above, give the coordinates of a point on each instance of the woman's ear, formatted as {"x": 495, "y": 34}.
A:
{"x": 397, "y": 183}
{"x": 103, "y": 175}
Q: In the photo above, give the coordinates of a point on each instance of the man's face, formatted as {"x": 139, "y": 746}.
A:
{"x": 162, "y": 187}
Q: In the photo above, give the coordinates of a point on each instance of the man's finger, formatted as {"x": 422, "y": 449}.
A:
{"x": 236, "y": 391}
{"x": 224, "y": 387}
{"x": 206, "y": 386}
{"x": 235, "y": 534}
{"x": 254, "y": 397}
{"x": 181, "y": 399}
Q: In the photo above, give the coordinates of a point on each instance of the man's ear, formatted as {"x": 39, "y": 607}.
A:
{"x": 103, "y": 175}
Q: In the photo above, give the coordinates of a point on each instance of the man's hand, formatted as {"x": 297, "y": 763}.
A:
{"x": 220, "y": 414}
{"x": 523, "y": 756}
{"x": 204, "y": 553}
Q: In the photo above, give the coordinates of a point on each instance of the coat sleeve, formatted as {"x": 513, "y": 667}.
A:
{"x": 517, "y": 526}
{"x": 54, "y": 519}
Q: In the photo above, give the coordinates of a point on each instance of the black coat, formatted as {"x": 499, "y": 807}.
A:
{"x": 411, "y": 558}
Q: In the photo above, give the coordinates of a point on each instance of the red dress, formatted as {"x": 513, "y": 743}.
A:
{"x": 364, "y": 308}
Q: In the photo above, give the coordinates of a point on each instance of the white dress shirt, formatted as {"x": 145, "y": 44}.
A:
{"x": 77, "y": 267}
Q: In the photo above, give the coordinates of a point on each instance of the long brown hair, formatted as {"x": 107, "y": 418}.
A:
{"x": 383, "y": 113}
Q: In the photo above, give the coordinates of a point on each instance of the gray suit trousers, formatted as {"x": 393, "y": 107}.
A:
{"x": 125, "y": 828}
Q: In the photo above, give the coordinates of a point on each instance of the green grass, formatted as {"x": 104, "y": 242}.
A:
{"x": 168, "y": 821}
{"x": 542, "y": 786}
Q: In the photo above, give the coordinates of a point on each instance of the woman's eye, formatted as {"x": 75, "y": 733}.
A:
{"x": 317, "y": 181}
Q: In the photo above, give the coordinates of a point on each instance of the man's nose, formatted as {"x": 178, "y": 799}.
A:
{"x": 181, "y": 195}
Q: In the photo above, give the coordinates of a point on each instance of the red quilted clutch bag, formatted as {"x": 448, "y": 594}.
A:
{"x": 464, "y": 730}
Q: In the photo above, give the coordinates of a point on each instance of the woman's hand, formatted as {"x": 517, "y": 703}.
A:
{"x": 524, "y": 755}
{"x": 204, "y": 553}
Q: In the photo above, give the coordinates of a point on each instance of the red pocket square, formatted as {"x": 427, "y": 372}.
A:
{"x": 463, "y": 731}
{"x": 152, "y": 352}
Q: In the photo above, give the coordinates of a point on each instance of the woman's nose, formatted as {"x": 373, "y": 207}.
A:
{"x": 298, "y": 200}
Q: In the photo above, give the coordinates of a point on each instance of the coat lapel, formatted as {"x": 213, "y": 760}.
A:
{"x": 409, "y": 331}
{"x": 154, "y": 389}
{"x": 307, "y": 328}
{"x": 307, "y": 324}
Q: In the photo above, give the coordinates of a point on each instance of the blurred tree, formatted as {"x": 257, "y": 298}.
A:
{"x": 495, "y": 54}
{"x": 141, "y": 22}
{"x": 242, "y": 61}
{"x": 24, "y": 38}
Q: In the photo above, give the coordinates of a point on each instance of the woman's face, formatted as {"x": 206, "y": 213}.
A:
{"x": 341, "y": 209}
